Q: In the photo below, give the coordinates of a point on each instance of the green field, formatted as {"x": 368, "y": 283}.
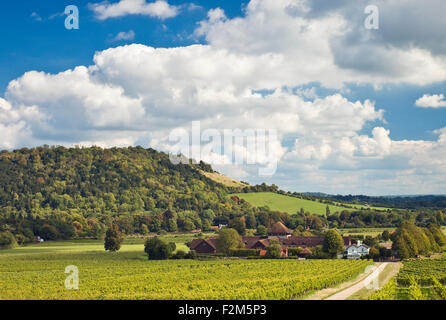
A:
{"x": 292, "y": 205}
{"x": 373, "y": 232}
{"x": 38, "y": 272}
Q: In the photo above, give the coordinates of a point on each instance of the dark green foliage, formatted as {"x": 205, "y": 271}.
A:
{"x": 238, "y": 224}
{"x": 262, "y": 231}
{"x": 411, "y": 241}
{"x": 173, "y": 246}
{"x": 294, "y": 252}
{"x": 274, "y": 250}
{"x": 113, "y": 239}
{"x": 157, "y": 249}
{"x": 385, "y": 235}
{"x": 228, "y": 240}
{"x": 333, "y": 242}
{"x": 7, "y": 240}
{"x": 61, "y": 193}
{"x": 244, "y": 253}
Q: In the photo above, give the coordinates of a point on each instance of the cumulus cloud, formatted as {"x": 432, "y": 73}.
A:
{"x": 245, "y": 77}
{"x": 345, "y": 51}
{"x": 431, "y": 101}
{"x": 160, "y": 9}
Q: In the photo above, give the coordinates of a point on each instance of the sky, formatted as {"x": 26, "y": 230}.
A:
{"x": 357, "y": 97}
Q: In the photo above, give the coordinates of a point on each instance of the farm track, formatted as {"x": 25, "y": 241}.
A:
{"x": 374, "y": 276}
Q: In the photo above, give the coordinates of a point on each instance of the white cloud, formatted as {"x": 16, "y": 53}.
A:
{"x": 332, "y": 48}
{"x": 431, "y": 101}
{"x": 160, "y": 9}
{"x": 125, "y": 36}
{"x": 36, "y": 16}
{"x": 137, "y": 94}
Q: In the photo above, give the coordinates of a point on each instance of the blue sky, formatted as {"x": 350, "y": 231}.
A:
{"x": 393, "y": 67}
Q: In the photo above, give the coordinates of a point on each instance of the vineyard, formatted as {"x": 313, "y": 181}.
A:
{"x": 420, "y": 279}
{"x": 25, "y": 274}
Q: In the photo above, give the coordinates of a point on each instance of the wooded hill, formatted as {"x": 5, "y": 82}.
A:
{"x": 60, "y": 193}
{"x": 57, "y": 192}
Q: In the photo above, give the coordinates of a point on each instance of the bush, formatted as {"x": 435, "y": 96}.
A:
{"x": 244, "y": 253}
{"x": 294, "y": 252}
{"x": 179, "y": 255}
{"x": 7, "y": 240}
{"x": 191, "y": 255}
{"x": 49, "y": 232}
{"x": 113, "y": 239}
{"x": 274, "y": 250}
{"x": 318, "y": 253}
{"x": 157, "y": 249}
{"x": 173, "y": 246}
{"x": 262, "y": 231}
{"x": 21, "y": 239}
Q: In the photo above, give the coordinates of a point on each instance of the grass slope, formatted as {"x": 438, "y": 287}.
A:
{"x": 292, "y": 205}
{"x": 224, "y": 180}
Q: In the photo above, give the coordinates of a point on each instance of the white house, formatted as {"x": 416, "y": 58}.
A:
{"x": 357, "y": 251}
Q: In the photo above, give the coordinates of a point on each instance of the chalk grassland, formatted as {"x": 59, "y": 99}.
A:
{"x": 418, "y": 279}
{"x": 224, "y": 180}
{"x": 292, "y": 205}
{"x": 37, "y": 272}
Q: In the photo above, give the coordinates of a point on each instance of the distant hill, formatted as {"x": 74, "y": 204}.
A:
{"x": 392, "y": 201}
{"x": 292, "y": 205}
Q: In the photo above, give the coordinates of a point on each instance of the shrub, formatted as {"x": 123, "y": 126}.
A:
{"x": 294, "y": 252}
{"x": 274, "y": 250}
{"x": 179, "y": 255}
{"x": 157, "y": 249}
{"x": 113, "y": 239}
{"x": 244, "y": 253}
{"x": 7, "y": 240}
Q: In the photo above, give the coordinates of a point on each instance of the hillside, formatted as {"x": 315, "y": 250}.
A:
{"x": 292, "y": 205}
{"x": 224, "y": 180}
{"x": 66, "y": 193}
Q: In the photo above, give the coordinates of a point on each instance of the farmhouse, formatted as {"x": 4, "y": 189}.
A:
{"x": 277, "y": 232}
{"x": 356, "y": 251}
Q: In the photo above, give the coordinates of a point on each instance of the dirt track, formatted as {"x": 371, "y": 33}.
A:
{"x": 369, "y": 280}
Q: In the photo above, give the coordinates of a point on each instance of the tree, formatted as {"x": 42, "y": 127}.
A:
{"x": 386, "y": 235}
{"x": 327, "y": 211}
{"x": 49, "y": 232}
{"x": 7, "y": 240}
{"x": 228, "y": 239}
{"x": 274, "y": 250}
{"x": 157, "y": 249}
{"x": 113, "y": 239}
{"x": 238, "y": 224}
{"x": 144, "y": 229}
{"x": 374, "y": 253}
{"x": 438, "y": 235}
{"x": 262, "y": 231}
{"x": 333, "y": 242}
